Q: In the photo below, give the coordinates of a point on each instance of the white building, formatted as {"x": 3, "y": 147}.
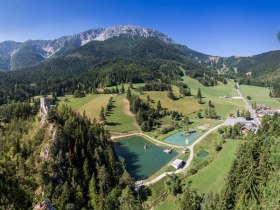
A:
{"x": 177, "y": 163}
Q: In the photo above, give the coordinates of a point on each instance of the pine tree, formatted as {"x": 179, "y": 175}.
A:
{"x": 93, "y": 194}
{"x": 122, "y": 89}
{"x": 128, "y": 201}
{"x": 128, "y": 93}
{"x": 102, "y": 117}
{"x": 117, "y": 90}
{"x": 190, "y": 200}
{"x": 86, "y": 170}
{"x": 159, "y": 105}
{"x": 270, "y": 93}
{"x": 238, "y": 113}
{"x": 210, "y": 104}
{"x": 131, "y": 85}
{"x": 148, "y": 98}
{"x": 170, "y": 95}
{"x": 247, "y": 115}
{"x": 199, "y": 95}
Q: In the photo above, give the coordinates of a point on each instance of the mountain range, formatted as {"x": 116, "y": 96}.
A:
{"x": 90, "y": 44}
{"x": 15, "y": 55}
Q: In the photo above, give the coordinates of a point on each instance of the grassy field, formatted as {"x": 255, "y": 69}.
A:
{"x": 223, "y": 106}
{"x": 186, "y": 105}
{"x": 120, "y": 121}
{"x": 260, "y": 95}
{"x": 117, "y": 119}
{"x": 212, "y": 177}
{"x": 207, "y": 145}
{"x": 91, "y": 104}
{"x": 168, "y": 204}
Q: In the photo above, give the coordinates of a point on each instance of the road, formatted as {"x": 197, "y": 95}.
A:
{"x": 229, "y": 121}
{"x": 149, "y": 138}
{"x": 249, "y": 107}
{"x": 189, "y": 161}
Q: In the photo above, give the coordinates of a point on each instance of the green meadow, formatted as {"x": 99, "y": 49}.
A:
{"x": 212, "y": 177}
{"x": 260, "y": 95}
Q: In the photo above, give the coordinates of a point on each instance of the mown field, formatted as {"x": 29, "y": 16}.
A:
{"x": 91, "y": 104}
{"x": 117, "y": 118}
{"x": 223, "y": 106}
{"x": 186, "y": 105}
{"x": 212, "y": 177}
{"x": 121, "y": 121}
{"x": 260, "y": 95}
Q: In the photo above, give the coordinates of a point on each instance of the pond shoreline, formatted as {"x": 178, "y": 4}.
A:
{"x": 143, "y": 158}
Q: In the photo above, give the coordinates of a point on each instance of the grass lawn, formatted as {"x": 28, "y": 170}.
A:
{"x": 186, "y": 105}
{"x": 223, "y": 106}
{"x": 118, "y": 120}
{"x": 168, "y": 204}
{"x": 212, "y": 177}
{"x": 91, "y": 104}
{"x": 260, "y": 95}
{"x": 207, "y": 145}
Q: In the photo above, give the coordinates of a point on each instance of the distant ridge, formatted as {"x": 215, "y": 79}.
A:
{"x": 14, "y": 55}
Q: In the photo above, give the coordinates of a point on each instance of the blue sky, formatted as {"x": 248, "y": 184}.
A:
{"x": 229, "y": 27}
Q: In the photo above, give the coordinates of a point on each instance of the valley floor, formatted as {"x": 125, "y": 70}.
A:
{"x": 212, "y": 169}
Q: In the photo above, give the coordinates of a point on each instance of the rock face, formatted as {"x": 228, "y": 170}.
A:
{"x": 44, "y": 205}
{"x": 15, "y": 55}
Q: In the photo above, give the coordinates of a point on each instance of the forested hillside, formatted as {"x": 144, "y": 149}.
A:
{"x": 99, "y": 64}
{"x": 253, "y": 181}
{"x": 69, "y": 161}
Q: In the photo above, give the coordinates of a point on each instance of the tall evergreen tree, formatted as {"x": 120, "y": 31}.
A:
{"x": 93, "y": 194}
{"x": 159, "y": 105}
{"x": 128, "y": 201}
{"x": 128, "y": 93}
{"x": 122, "y": 89}
{"x": 102, "y": 117}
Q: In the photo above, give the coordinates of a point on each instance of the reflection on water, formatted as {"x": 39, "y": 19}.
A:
{"x": 140, "y": 162}
{"x": 180, "y": 139}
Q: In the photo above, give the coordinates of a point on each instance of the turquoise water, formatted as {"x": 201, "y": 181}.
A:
{"x": 203, "y": 154}
{"x": 180, "y": 139}
{"x": 141, "y": 163}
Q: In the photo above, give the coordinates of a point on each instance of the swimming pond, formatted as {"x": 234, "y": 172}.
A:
{"x": 141, "y": 163}
{"x": 180, "y": 139}
{"x": 202, "y": 154}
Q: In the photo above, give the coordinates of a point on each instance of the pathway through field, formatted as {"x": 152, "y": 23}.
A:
{"x": 126, "y": 108}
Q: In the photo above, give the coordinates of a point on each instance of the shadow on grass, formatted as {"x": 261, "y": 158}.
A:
{"x": 113, "y": 123}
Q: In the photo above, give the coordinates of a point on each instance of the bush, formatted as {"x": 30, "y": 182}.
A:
{"x": 218, "y": 148}
{"x": 249, "y": 98}
{"x": 192, "y": 171}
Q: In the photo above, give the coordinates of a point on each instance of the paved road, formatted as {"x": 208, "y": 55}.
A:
{"x": 150, "y": 138}
{"x": 189, "y": 161}
{"x": 249, "y": 107}
{"x": 229, "y": 121}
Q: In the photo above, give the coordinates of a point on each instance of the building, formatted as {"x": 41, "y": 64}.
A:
{"x": 262, "y": 107}
{"x": 177, "y": 163}
{"x": 270, "y": 112}
{"x": 247, "y": 127}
